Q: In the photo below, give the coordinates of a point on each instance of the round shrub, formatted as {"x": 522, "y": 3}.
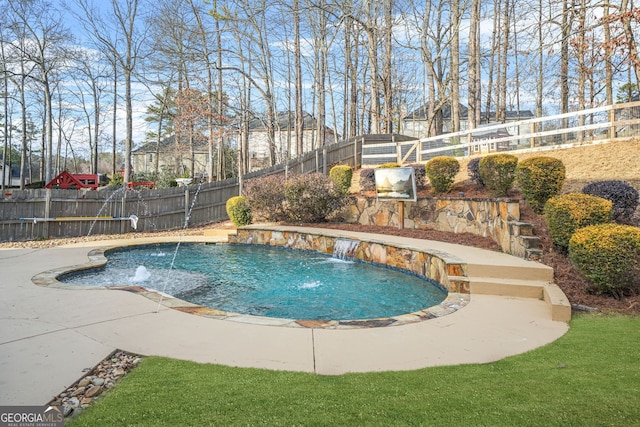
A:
{"x": 441, "y": 172}
{"x": 498, "y": 172}
{"x": 388, "y": 165}
{"x": 569, "y": 212}
{"x": 266, "y": 197}
{"x": 473, "y": 170}
{"x": 341, "y": 176}
{"x": 367, "y": 179}
{"x": 311, "y": 197}
{"x": 239, "y": 211}
{"x": 623, "y": 196}
{"x": 539, "y": 179}
{"x": 608, "y": 255}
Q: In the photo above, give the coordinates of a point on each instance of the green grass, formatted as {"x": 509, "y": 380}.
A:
{"x": 589, "y": 377}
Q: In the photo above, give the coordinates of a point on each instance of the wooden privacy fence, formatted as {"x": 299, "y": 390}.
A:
{"x": 50, "y": 213}
{"x": 45, "y": 213}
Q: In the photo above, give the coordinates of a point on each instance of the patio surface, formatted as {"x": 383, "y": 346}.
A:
{"x": 48, "y": 335}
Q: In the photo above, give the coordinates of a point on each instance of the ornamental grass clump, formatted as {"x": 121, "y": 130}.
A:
{"x": 239, "y": 211}
{"x": 539, "y": 179}
{"x": 341, "y": 176}
{"x": 567, "y": 213}
{"x": 623, "y": 196}
{"x": 498, "y": 172}
{"x": 608, "y": 255}
{"x": 441, "y": 172}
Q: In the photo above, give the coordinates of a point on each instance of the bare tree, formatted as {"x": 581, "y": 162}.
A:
{"x": 122, "y": 39}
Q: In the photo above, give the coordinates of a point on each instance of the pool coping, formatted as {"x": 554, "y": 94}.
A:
{"x": 97, "y": 258}
{"x": 454, "y": 274}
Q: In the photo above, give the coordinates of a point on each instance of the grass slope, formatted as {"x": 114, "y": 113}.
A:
{"x": 588, "y": 377}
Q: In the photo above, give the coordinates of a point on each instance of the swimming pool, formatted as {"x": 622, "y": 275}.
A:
{"x": 266, "y": 281}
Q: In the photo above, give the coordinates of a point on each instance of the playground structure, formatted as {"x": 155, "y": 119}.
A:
{"x": 65, "y": 181}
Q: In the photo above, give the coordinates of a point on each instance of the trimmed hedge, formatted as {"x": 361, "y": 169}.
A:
{"x": 608, "y": 255}
{"x": 623, "y": 196}
{"x": 239, "y": 211}
{"x": 441, "y": 172}
{"x": 569, "y": 212}
{"x": 539, "y": 179}
{"x": 341, "y": 176}
{"x": 498, "y": 172}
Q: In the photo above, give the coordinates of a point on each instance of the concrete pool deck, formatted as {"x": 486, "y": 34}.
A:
{"x": 48, "y": 335}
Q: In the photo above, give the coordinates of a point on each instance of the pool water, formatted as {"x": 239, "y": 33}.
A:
{"x": 266, "y": 281}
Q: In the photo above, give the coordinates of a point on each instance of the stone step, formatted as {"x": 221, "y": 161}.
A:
{"x": 507, "y": 287}
{"x": 526, "y": 270}
{"x": 549, "y": 292}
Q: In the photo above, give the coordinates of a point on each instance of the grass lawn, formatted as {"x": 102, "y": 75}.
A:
{"x": 589, "y": 377}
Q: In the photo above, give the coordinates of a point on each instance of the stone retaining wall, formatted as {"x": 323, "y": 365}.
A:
{"x": 498, "y": 219}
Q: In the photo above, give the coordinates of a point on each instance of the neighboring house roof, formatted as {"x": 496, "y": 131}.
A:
{"x": 509, "y": 115}
{"x": 422, "y": 112}
{"x": 201, "y": 144}
{"x": 286, "y": 120}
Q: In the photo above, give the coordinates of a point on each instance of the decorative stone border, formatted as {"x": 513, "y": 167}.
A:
{"x": 446, "y": 269}
{"x": 498, "y": 219}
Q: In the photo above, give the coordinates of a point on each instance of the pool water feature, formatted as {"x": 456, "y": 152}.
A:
{"x": 267, "y": 281}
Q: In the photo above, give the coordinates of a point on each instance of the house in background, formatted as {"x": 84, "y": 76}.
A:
{"x": 173, "y": 155}
{"x": 415, "y": 123}
{"x": 11, "y": 175}
{"x": 284, "y": 140}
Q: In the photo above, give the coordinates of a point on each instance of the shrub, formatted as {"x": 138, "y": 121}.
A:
{"x": 116, "y": 180}
{"x": 441, "y": 172}
{"x": 539, "y": 179}
{"x": 388, "y": 165}
{"x": 608, "y": 255}
{"x": 473, "y": 170}
{"x": 341, "y": 176}
{"x": 569, "y": 212}
{"x": 623, "y": 196}
{"x": 266, "y": 197}
{"x": 239, "y": 211}
{"x": 420, "y": 174}
{"x": 367, "y": 179}
{"x": 498, "y": 172}
{"x": 311, "y": 198}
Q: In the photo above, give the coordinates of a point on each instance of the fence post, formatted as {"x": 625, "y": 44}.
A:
{"x": 355, "y": 153}
{"x": 123, "y": 210}
{"x": 47, "y": 212}
{"x": 324, "y": 160}
{"x": 186, "y": 205}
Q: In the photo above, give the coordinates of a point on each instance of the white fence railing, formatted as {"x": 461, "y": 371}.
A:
{"x": 580, "y": 127}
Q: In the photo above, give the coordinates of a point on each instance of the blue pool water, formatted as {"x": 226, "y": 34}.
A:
{"x": 266, "y": 281}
